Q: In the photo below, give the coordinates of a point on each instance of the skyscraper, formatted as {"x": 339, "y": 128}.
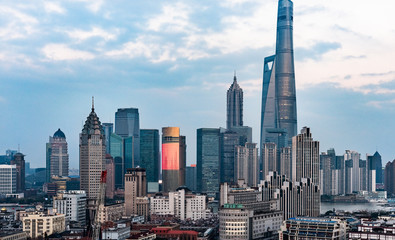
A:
{"x": 389, "y": 178}
{"x": 190, "y": 177}
{"x": 19, "y": 161}
{"x": 246, "y": 164}
{"x": 57, "y": 156}
{"x": 354, "y": 174}
{"x": 92, "y": 155}
{"x": 173, "y": 158}
{"x": 378, "y": 166}
{"x": 150, "y": 153}
{"x": 278, "y": 91}
{"x": 208, "y": 161}
{"x": 234, "y": 105}
{"x": 228, "y": 140}
{"x": 127, "y": 125}
{"x": 108, "y": 130}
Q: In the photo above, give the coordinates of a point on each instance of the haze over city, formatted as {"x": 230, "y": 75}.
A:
{"x": 175, "y": 60}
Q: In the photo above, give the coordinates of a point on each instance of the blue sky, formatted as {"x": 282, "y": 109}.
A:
{"x": 174, "y": 60}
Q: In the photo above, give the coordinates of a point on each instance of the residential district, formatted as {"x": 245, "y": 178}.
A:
{"x": 134, "y": 183}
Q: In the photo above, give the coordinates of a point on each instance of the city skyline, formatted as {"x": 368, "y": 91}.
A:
{"x": 185, "y": 63}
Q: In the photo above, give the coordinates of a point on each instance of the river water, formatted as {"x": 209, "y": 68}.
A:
{"x": 351, "y": 207}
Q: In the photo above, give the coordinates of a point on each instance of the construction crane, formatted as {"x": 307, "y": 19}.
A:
{"x": 96, "y": 226}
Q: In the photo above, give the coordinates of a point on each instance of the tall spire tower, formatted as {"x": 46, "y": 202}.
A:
{"x": 234, "y": 105}
{"x": 278, "y": 92}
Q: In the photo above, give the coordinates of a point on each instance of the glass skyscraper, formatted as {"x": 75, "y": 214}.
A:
{"x": 278, "y": 91}
{"x": 150, "y": 154}
{"x": 208, "y": 160}
{"x": 127, "y": 124}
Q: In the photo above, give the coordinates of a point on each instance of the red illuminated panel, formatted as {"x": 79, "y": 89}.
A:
{"x": 170, "y": 156}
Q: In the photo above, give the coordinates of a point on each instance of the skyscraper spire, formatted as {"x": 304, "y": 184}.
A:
{"x": 93, "y": 103}
{"x": 234, "y": 105}
{"x": 234, "y": 77}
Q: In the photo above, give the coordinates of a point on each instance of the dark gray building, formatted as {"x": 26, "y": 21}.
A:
{"x": 190, "y": 177}
{"x": 208, "y": 160}
{"x": 149, "y": 153}
{"x": 278, "y": 91}
{"x": 234, "y": 105}
{"x": 127, "y": 124}
{"x": 378, "y": 166}
{"x": 228, "y": 140}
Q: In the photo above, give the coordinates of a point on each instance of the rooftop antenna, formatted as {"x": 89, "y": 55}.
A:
{"x": 19, "y": 148}
{"x": 93, "y": 104}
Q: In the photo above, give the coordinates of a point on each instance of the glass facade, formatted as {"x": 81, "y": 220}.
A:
{"x": 208, "y": 160}
{"x": 228, "y": 141}
{"x": 116, "y": 151}
{"x": 149, "y": 153}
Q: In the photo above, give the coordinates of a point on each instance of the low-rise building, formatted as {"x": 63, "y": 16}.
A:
{"x": 12, "y": 235}
{"x": 119, "y": 232}
{"x": 113, "y": 212}
{"x": 39, "y": 224}
{"x": 373, "y": 230}
{"x": 143, "y": 236}
{"x": 182, "y": 204}
{"x": 313, "y": 228}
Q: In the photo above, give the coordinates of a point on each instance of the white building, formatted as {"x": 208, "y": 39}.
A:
{"x": 72, "y": 204}
{"x": 181, "y": 204}
{"x": 355, "y": 171}
{"x": 38, "y": 224}
{"x": 120, "y": 232}
{"x": 7, "y": 179}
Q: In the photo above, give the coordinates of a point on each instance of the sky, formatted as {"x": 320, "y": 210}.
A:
{"x": 174, "y": 61}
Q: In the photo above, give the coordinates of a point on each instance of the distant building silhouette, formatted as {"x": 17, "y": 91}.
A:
{"x": 19, "y": 161}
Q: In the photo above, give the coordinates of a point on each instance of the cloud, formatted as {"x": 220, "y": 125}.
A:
{"x": 81, "y": 35}
{"x": 316, "y": 51}
{"x": 2, "y": 100}
{"x": 61, "y": 52}
{"x": 384, "y": 104}
{"x": 349, "y": 57}
{"x": 174, "y": 19}
{"x": 52, "y": 7}
{"x": 93, "y": 6}
{"x": 16, "y": 24}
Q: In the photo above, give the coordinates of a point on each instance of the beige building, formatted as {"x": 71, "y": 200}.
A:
{"x": 38, "y": 224}
{"x": 92, "y": 155}
{"x": 135, "y": 186}
{"x": 112, "y": 212}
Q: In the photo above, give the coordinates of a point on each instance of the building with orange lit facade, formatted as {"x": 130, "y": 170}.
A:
{"x": 173, "y": 158}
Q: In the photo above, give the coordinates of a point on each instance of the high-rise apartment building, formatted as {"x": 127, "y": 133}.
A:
{"x": 305, "y": 157}
{"x": 8, "y": 179}
{"x": 234, "y": 105}
{"x": 173, "y": 158}
{"x": 150, "y": 153}
{"x": 208, "y": 160}
{"x": 278, "y": 92}
{"x": 247, "y": 164}
{"x": 108, "y": 130}
{"x": 269, "y": 158}
{"x": 57, "y": 156}
{"x": 127, "y": 125}
{"x": 19, "y": 161}
{"x": 92, "y": 155}
{"x": 354, "y": 173}
{"x": 135, "y": 187}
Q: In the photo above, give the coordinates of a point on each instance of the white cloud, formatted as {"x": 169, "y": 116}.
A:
{"x": 93, "y": 5}
{"x": 81, "y": 35}
{"x": 382, "y": 104}
{"x": 52, "y": 7}
{"x": 174, "y": 18}
{"x": 60, "y": 52}
{"x": 17, "y": 25}
{"x": 2, "y": 100}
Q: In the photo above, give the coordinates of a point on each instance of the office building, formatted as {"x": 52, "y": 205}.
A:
{"x": 389, "y": 178}
{"x": 234, "y": 105}
{"x": 379, "y": 167}
{"x": 181, "y": 204}
{"x": 57, "y": 156}
{"x": 208, "y": 160}
{"x": 135, "y": 186}
{"x": 73, "y": 205}
{"x": 278, "y": 91}
{"x": 6, "y": 159}
{"x": 328, "y": 181}
{"x": 305, "y": 157}
{"x": 108, "y": 129}
{"x": 228, "y": 141}
{"x": 19, "y": 161}
{"x": 8, "y": 180}
{"x": 247, "y": 164}
{"x": 173, "y": 159}
{"x": 269, "y": 158}
{"x": 150, "y": 153}
{"x": 92, "y": 155}
{"x": 110, "y": 180}
{"x": 38, "y": 224}
{"x": 313, "y": 228}
{"x": 191, "y": 177}
{"x": 127, "y": 125}
{"x": 354, "y": 170}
